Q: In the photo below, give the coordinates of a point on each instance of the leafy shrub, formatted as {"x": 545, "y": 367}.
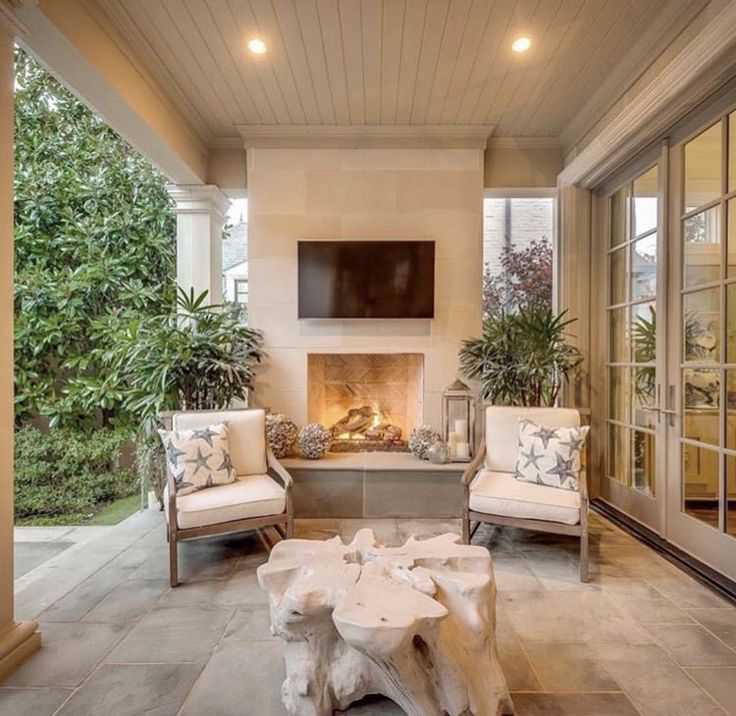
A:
{"x": 67, "y": 473}
{"x": 95, "y": 247}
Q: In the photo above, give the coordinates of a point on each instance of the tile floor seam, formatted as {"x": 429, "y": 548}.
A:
{"x": 669, "y": 653}
{"x": 65, "y": 701}
{"x": 683, "y": 669}
{"x": 92, "y": 574}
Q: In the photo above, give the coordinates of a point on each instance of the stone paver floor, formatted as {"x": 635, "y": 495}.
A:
{"x": 641, "y": 638}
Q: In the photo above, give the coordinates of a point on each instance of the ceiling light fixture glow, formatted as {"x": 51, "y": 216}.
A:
{"x": 521, "y": 44}
{"x": 257, "y": 46}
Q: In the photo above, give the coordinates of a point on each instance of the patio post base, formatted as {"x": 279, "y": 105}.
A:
{"x": 17, "y": 642}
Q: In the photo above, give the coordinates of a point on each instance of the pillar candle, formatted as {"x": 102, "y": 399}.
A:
{"x": 461, "y": 427}
{"x": 462, "y": 451}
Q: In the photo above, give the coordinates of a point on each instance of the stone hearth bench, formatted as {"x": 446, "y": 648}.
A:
{"x": 375, "y": 484}
{"x": 415, "y": 623}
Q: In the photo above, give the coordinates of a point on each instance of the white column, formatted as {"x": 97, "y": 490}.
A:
{"x": 200, "y": 217}
{"x": 17, "y": 639}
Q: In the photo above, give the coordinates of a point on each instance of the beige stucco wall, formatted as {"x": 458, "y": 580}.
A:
{"x": 431, "y": 194}
{"x": 509, "y": 166}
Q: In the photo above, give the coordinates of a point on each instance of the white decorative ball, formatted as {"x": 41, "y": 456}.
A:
{"x": 314, "y": 441}
{"x": 421, "y": 439}
{"x": 282, "y": 434}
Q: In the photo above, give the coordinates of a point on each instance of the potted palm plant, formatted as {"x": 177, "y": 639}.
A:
{"x": 522, "y": 358}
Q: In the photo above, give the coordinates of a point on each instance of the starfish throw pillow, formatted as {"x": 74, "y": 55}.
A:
{"x": 198, "y": 458}
{"x": 550, "y": 456}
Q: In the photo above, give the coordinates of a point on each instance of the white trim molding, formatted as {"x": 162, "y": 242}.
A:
{"x": 676, "y": 89}
{"x": 358, "y": 136}
{"x": 9, "y": 21}
{"x": 524, "y": 143}
{"x": 196, "y": 198}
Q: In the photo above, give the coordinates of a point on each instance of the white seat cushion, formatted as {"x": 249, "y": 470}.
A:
{"x": 246, "y": 435}
{"x": 499, "y": 493}
{"x": 249, "y": 496}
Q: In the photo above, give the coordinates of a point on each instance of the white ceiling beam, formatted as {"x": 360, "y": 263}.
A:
{"x": 90, "y": 57}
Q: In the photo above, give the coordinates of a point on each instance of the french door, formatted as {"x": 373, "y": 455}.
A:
{"x": 701, "y": 439}
{"x": 670, "y": 342}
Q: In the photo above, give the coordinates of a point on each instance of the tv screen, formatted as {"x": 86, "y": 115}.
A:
{"x": 366, "y": 279}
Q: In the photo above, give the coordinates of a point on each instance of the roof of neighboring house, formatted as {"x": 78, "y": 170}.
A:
{"x": 235, "y": 247}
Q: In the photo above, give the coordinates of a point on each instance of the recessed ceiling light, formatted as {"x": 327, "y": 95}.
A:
{"x": 521, "y": 44}
{"x": 257, "y": 46}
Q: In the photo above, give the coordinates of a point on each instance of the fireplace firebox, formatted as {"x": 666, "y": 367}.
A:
{"x": 370, "y": 401}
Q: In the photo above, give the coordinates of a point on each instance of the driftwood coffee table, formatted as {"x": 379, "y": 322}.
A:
{"x": 415, "y": 623}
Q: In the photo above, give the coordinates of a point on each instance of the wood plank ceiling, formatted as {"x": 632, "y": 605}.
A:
{"x": 387, "y": 62}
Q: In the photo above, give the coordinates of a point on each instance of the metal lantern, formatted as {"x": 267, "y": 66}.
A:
{"x": 458, "y": 421}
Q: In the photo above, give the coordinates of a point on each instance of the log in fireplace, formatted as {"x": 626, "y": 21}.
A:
{"x": 370, "y": 401}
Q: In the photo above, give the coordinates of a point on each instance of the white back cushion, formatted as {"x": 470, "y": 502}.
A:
{"x": 246, "y": 435}
{"x": 502, "y": 431}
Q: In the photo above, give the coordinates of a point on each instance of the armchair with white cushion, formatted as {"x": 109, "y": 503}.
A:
{"x": 492, "y": 494}
{"x": 259, "y": 497}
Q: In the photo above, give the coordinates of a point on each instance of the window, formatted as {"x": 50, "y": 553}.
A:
{"x": 241, "y": 291}
{"x": 235, "y": 257}
{"x": 517, "y": 252}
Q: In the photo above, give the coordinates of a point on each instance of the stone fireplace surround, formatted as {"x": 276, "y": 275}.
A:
{"x": 362, "y": 194}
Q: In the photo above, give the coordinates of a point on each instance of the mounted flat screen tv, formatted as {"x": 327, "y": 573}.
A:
{"x": 366, "y": 279}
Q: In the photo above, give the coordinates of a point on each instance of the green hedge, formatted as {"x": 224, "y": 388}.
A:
{"x": 63, "y": 475}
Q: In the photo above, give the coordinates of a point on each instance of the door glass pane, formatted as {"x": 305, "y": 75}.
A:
{"x": 644, "y": 397}
{"x": 645, "y": 202}
{"x": 617, "y": 272}
{"x": 702, "y": 324}
{"x": 619, "y": 339}
{"x": 618, "y": 217}
{"x": 731, "y": 240}
{"x": 732, "y": 151}
{"x": 644, "y": 267}
{"x": 701, "y": 388}
{"x": 644, "y": 332}
{"x": 731, "y": 409}
{"x": 731, "y": 323}
{"x": 700, "y": 478}
{"x": 618, "y": 451}
{"x": 643, "y": 461}
{"x": 619, "y": 393}
{"x": 702, "y": 238}
{"x": 703, "y": 168}
{"x": 731, "y": 495}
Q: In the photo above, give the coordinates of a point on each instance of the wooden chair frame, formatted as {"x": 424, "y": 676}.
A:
{"x": 578, "y": 530}
{"x": 283, "y": 522}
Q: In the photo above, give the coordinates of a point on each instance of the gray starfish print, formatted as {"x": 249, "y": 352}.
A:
{"x": 575, "y": 444}
{"x": 532, "y": 458}
{"x": 209, "y": 482}
{"x": 545, "y": 435}
{"x": 173, "y": 453}
{"x": 180, "y": 483}
{"x": 200, "y": 461}
{"x": 205, "y": 435}
{"x": 563, "y": 469}
{"x": 226, "y": 463}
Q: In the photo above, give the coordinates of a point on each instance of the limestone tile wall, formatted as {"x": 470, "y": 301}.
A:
{"x": 341, "y": 194}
